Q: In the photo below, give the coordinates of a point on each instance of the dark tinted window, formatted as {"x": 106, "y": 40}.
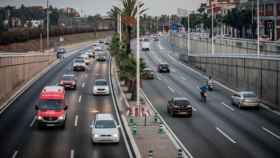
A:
{"x": 105, "y": 124}
{"x": 51, "y": 104}
{"x": 182, "y": 102}
{"x": 249, "y": 95}
{"x": 79, "y": 60}
{"x": 68, "y": 78}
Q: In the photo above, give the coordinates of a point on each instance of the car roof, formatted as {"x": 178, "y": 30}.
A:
{"x": 163, "y": 63}
{"x": 100, "y": 80}
{"x": 180, "y": 98}
{"x": 68, "y": 75}
{"x": 52, "y": 92}
{"x": 246, "y": 92}
{"x": 104, "y": 116}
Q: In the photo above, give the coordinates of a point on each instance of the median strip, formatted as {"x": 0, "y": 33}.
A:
{"x": 80, "y": 99}
{"x": 33, "y": 121}
{"x": 76, "y": 120}
{"x": 227, "y": 106}
{"x": 171, "y": 89}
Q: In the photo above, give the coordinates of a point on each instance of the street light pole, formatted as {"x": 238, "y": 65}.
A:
{"x": 138, "y": 57}
{"x": 258, "y": 26}
{"x": 212, "y": 27}
{"x": 189, "y": 45}
{"x": 48, "y": 25}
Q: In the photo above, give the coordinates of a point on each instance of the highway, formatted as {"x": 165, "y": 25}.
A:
{"x": 21, "y": 138}
{"x": 216, "y": 129}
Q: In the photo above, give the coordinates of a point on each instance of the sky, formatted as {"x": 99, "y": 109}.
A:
{"x": 92, "y": 7}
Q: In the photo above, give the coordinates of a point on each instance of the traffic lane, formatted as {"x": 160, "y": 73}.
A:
{"x": 15, "y": 121}
{"x": 91, "y": 106}
{"x": 56, "y": 140}
{"x": 241, "y": 128}
{"x": 196, "y": 133}
{"x": 260, "y": 118}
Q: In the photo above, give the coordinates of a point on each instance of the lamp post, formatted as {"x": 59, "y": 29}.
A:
{"x": 258, "y": 27}
{"x": 138, "y": 56}
{"x": 212, "y": 28}
{"x": 48, "y": 25}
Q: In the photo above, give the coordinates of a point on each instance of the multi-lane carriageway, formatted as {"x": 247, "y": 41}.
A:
{"x": 20, "y": 137}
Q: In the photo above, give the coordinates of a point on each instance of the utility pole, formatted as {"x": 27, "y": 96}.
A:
{"x": 189, "y": 32}
{"x": 138, "y": 56}
{"x": 258, "y": 26}
{"x": 212, "y": 27}
{"x": 48, "y": 25}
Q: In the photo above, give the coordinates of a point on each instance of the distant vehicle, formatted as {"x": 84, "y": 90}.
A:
{"x": 163, "y": 67}
{"x": 105, "y": 129}
{"x": 101, "y": 57}
{"x": 101, "y": 87}
{"x": 148, "y": 73}
{"x": 101, "y": 41}
{"x": 245, "y": 99}
{"x": 179, "y": 106}
{"x": 60, "y": 52}
{"x": 265, "y": 38}
{"x": 79, "y": 64}
{"x": 51, "y": 107}
{"x": 156, "y": 39}
{"x": 68, "y": 81}
{"x": 98, "y": 48}
{"x": 90, "y": 53}
{"x": 145, "y": 45}
{"x": 86, "y": 58}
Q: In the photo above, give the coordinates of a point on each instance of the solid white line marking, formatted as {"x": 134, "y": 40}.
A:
{"x": 159, "y": 78}
{"x": 80, "y": 98}
{"x": 225, "y": 135}
{"x": 33, "y": 121}
{"x": 270, "y": 132}
{"x": 171, "y": 89}
{"x": 83, "y": 85}
{"x": 72, "y": 152}
{"x": 227, "y": 106}
{"x": 15, "y": 154}
{"x": 76, "y": 120}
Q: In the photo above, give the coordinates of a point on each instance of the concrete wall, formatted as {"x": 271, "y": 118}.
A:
{"x": 15, "y": 70}
{"x": 259, "y": 75}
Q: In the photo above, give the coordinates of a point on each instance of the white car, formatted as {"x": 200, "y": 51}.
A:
{"x": 79, "y": 64}
{"x": 101, "y": 87}
{"x": 86, "y": 58}
{"x": 104, "y": 129}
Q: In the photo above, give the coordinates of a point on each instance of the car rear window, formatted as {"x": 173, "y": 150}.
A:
{"x": 105, "y": 124}
{"x": 79, "y": 60}
{"x": 164, "y": 66}
{"x": 182, "y": 102}
{"x": 51, "y": 104}
{"x": 249, "y": 95}
{"x": 100, "y": 83}
{"x": 68, "y": 78}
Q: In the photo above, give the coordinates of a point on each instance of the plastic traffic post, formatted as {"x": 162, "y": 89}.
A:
{"x": 150, "y": 153}
{"x": 180, "y": 153}
{"x": 134, "y": 129}
{"x": 156, "y": 118}
{"x": 161, "y": 129}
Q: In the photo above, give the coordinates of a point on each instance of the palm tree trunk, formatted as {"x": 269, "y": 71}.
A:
{"x": 129, "y": 29}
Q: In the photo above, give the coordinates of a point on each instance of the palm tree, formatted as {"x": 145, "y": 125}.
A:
{"x": 113, "y": 13}
{"x": 130, "y": 10}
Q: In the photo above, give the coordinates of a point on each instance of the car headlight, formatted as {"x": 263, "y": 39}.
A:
{"x": 115, "y": 135}
{"x": 40, "y": 118}
{"x": 96, "y": 135}
{"x": 61, "y": 117}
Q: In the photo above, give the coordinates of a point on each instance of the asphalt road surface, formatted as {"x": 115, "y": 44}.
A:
{"x": 217, "y": 129}
{"x": 20, "y": 137}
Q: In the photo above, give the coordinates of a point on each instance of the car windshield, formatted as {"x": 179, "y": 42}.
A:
{"x": 79, "y": 60}
{"x": 100, "y": 83}
{"x": 182, "y": 102}
{"x": 249, "y": 95}
{"x": 164, "y": 66}
{"x": 51, "y": 105}
{"x": 105, "y": 124}
{"x": 67, "y": 78}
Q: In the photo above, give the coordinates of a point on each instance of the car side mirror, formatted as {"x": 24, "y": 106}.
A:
{"x": 118, "y": 126}
{"x": 91, "y": 126}
{"x": 36, "y": 107}
{"x": 66, "y": 107}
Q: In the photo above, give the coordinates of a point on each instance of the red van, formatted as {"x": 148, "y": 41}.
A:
{"x": 51, "y": 107}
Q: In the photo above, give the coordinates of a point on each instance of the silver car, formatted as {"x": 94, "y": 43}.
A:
{"x": 245, "y": 99}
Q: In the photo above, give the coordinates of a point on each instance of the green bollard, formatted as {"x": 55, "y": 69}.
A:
{"x": 131, "y": 120}
{"x": 156, "y": 118}
{"x": 161, "y": 129}
{"x": 150, "y": 153}
{"x": 134, "y": 129}
{"x": 180, "y": 153}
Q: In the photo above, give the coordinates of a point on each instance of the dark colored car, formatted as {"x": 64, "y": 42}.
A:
{"x": 179, "y": 106}
{"x": 163, "y": 68}
{"x": 68, "y": 81}
{"x": 60, "y": 52}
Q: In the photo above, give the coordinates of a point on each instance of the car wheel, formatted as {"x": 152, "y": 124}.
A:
{"x": 189, "y": 115}
{"x": 239, "y": 106}
{"x": 172, "y": 113}
{"x": 232, "y": 102}
{"x": 168, "y": 111}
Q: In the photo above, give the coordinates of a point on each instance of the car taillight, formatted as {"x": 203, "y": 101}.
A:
{"x": 61, "y": 82}
{"x": 73, "y": 82}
